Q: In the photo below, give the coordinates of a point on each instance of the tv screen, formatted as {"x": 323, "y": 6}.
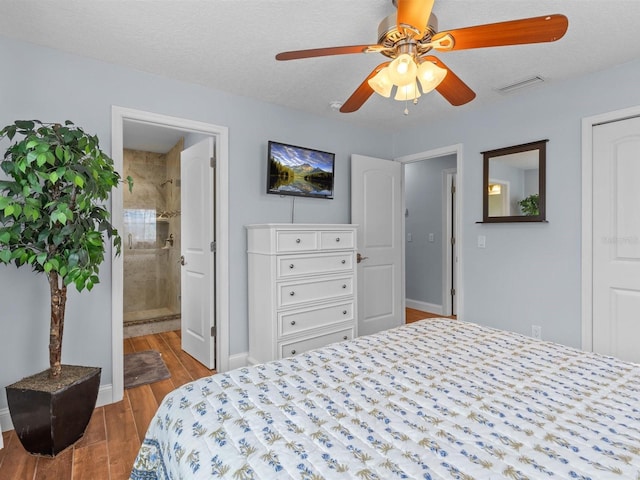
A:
{"x": 304, "y": 172}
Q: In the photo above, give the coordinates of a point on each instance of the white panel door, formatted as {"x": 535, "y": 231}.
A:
{"x": 376, "y": 207}
{"x": 616, "y": 239}
{"x": 197, "y": 237}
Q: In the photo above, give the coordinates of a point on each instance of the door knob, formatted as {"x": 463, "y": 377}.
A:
{"x": 182, "y": 262}
{"x": 360, "y": 258}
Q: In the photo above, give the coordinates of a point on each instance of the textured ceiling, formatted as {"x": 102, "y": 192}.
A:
{"x": 230, "y": 45}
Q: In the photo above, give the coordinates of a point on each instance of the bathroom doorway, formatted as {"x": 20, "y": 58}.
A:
{"x": 128, "y": 122}
{"x": 151, "y": 235}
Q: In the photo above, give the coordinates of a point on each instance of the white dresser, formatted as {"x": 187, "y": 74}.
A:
{"x": 302, "y": 288}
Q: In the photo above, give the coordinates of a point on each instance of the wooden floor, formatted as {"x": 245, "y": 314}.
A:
{"x": 413, "y": 315}
{"x": 112, "y": 439}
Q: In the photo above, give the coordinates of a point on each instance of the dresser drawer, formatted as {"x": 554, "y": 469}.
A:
{"x": 337, "y": 239}
{"x": 295, "y": 293}
{"x": 287, "y": 349}
{"x": 291, "y": 266}
{"x": 296, "y": 241}
{"x": 297, "y": 321}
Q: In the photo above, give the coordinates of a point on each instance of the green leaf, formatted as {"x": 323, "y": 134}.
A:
{"x": 73, "y": 260}
{"x": 9, "y": 131}
{"x": 5, "y": 237}
{"x": 24, "y": 124}
{"x": 41, "y": 258}
{"x": 5, "y": 256}
{"x": 79, "y": 181}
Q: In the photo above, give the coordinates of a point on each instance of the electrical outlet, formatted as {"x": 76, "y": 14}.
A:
{"x": 536, "y": 332}
{"x": 431, "y": 237}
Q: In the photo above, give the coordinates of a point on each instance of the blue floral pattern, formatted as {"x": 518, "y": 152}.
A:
{"x": 436, "y": 399}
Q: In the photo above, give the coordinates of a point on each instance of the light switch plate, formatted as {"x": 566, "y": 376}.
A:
{"x": 482, "y": 241}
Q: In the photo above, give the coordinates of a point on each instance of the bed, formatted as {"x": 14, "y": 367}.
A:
{"x": 435, "y": 399}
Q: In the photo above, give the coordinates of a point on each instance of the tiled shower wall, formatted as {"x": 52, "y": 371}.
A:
{"x": 152, "y": 217}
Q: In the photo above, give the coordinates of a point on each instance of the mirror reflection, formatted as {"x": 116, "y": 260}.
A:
{"x": 514, "y": 183}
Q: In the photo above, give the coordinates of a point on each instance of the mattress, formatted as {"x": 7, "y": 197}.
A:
{"x": 435, "y": 399}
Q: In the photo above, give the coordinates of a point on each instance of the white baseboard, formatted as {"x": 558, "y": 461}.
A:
{"x": 105, "y": 397}
{"x": 5, "y": 420}
{"x": 424, "y": 306}
{"x": 238, "y": 360}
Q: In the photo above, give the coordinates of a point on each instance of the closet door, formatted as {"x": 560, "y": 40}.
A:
{"x": 616, "y": 239}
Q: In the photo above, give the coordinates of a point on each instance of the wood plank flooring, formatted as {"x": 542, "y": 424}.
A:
{"x": 115, "y": 432}
{"x": 414, "y": 315}
{"x": 114, "y": 435}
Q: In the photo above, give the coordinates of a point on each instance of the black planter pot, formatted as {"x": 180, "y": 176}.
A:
{"x": 48, "y": 417}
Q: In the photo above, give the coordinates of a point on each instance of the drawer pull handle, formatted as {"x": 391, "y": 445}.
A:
{"x": 293, "y": 322}
{"x": 293, "y": 352}
{"x": 345, "y": 337}
{"x": 291, "y": 265}
{"x": 292, "y": 293}
{"x": 298, "y": 240}
{"x": 344, "y": 312}
{"x": 344, "y": 285}
{"x": 337, "y": 239}
{"x": 343, "y": 262}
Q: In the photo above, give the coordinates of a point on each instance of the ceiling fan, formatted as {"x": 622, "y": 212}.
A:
{"x": 407, "y": 37}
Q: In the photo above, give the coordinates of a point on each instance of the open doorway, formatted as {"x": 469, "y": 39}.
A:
{"x": 429, "y": 186}
{"x": 432, "y": 229}
{"x": 180, "y": 133}
{"x": 151, "y": 234}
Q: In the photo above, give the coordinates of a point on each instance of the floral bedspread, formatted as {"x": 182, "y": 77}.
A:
{"x": 436, "y": 399}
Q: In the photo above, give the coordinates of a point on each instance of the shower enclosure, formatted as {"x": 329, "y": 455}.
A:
{"x": 151, "y": 237}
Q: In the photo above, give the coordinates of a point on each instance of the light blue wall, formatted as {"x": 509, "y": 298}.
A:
{"x": 52, "y": 86}
{"x": 423, "y": 199}
{"x": 528, "y": 273}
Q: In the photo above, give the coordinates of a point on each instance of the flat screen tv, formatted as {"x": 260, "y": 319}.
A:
{"x": 300, "y": 171}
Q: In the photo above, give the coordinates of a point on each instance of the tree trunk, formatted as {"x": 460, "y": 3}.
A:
{"x": 58, "y": 303}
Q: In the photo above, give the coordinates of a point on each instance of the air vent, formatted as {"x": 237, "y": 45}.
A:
{"x": 527, "y": 82}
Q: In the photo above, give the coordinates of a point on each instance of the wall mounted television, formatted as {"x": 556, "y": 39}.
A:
{"x": 299, "y": 171}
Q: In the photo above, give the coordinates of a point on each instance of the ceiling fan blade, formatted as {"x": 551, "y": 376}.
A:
{"x": 548, "y": 28}
{"x": 413, "y": 16}
{"x": 324, "y": 52}
{"x": 454, "y": 90}
{"x": 362, "y": 93}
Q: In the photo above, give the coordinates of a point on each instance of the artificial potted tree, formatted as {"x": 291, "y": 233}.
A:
{"x": 53, "y": 219}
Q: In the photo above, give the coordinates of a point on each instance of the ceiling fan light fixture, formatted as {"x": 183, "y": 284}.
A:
{"x": 381, "y": 83}
{"x": 430, "y": 75}
{"x": 402, "y": 71}
{"x": 408, "y": 92}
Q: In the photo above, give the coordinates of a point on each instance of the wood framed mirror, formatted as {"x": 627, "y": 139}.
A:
{"x": 514, "y": 183}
